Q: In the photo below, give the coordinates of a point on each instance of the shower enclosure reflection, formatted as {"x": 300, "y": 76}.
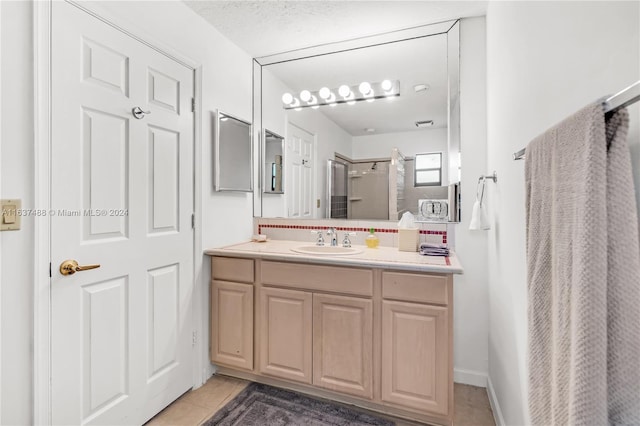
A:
{"x": 358, "y": 189}
{"x": 337, "y": 190}
{"x": 382, "y": 189}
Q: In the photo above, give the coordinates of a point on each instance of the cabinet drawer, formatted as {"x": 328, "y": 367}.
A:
{"x": 313, "y": 277}
{"x": 232, "y": 269}
{"x": 422, "y": 288}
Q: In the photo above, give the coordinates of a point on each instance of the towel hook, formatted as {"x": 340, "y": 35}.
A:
{"x": 493, "y": 177}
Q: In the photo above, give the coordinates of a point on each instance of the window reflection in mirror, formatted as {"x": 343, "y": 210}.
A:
{"x": 428, "y": 169}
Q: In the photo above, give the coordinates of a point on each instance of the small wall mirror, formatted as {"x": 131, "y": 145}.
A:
{"x": 233, "y": 152}
{"x": 273, "y": 163}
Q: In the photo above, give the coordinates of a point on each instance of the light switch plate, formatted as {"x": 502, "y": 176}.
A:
{"x": 10, "y": 218}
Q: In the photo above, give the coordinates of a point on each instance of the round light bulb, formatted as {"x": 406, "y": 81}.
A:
{"x": 365, "y": 88}
{"x": 287, "y": 98}
{"x": 325, "y": 93}
{"x": 313, "y": 100}
{"x": 344, "y": 91}
{"x": 305, "y": 95}
{"x": 386, "y": 85}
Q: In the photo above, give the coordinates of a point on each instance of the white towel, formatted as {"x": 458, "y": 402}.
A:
{"x": 479, "y": 216}
{"x": 583, "y": 274}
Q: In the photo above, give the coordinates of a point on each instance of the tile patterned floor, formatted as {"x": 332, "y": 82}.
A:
{"x": 194, "y": 407}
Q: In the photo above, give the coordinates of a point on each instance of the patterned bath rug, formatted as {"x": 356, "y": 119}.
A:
{"x": 262, "y": 405}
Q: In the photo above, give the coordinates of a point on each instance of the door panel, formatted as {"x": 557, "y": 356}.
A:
{"x": 164, "y": 151}
{"x": 122, "y": 194}
{"x": 105, "y": 376}
{"x": 106, "y": 156}
{"x": 285, "y": 334}
{"x": 343, "y": 344}
{"x": 164, "y": 315}
{"x": 105, "y": 67}
{"x": 164, "y": 91}
{"x": 416, "y": 378}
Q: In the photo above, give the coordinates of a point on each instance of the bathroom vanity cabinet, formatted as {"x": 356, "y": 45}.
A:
{"x": 376, "y": 337}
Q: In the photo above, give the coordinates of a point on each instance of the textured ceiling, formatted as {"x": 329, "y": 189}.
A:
{"x": 263, "y": 28}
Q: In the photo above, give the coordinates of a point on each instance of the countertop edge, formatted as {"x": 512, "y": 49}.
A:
{"x": 333, "y": 260}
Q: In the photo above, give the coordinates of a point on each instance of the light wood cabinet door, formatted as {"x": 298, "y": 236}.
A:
{"x": 415, "y": 356}
{"x": 232, "y": 324}
{"x": 285, "y": 334}
{"x": 343, "y": 344}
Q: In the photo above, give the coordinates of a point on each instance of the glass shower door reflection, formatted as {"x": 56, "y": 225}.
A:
{"x": 337, "y": 187}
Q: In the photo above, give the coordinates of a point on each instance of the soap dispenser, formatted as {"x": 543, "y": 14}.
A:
{"x": 372, "y": 239}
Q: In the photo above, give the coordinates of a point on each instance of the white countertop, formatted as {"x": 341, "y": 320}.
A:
{"x": 381, "y": 257}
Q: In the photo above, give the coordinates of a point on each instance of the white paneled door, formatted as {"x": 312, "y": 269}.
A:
{"x": 121, "y": 197}
{"x": 300, "y": 148}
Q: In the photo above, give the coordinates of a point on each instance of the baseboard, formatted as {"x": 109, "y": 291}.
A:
{"x": 493, "y": 400}
{"x": 470, "y": 377}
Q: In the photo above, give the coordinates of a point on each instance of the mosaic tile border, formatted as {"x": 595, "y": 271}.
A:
{"x": 349, "y": 229}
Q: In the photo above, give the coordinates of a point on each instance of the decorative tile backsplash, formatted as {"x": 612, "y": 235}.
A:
{"x": 387, "y": 232}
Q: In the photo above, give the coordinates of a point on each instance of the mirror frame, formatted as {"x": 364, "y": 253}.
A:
{"x": 452, "y": 31}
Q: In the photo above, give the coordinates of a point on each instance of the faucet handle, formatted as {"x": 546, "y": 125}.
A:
{"x": 346, "y": 242}
{"x": 320, "y": 240}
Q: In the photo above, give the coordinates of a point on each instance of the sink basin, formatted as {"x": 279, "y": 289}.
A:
{"x": 327, "y": 250}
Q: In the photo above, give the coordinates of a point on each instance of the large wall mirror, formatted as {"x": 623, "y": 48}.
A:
{"x": 370, "y": 128}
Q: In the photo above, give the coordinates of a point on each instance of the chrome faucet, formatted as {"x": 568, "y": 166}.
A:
{"x": 320, "y": 240}
{"x": 334, "y": 236}
{"x": 347, "y": 242}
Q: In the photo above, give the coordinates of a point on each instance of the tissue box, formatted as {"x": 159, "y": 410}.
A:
{"x": 408, "y": 239}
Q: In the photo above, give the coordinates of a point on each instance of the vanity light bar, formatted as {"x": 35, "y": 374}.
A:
{"x": 340, "y": 95}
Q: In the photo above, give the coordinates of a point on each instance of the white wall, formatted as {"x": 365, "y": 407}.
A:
{"x": 16, "y": 176}
{"x": 470, "y": 294}
{"x": 545, "y": 60}
{"x": 409, "y": 144}
{"x": 226, "y": 217}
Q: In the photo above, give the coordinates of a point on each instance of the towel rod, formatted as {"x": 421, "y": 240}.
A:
{"x": 613, "y": 103}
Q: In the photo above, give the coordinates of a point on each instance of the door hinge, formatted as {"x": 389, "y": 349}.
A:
{"x": 193, "y": 221}
{"x": 193, "y": 104}
{"x": 49, "y": 269}
{"x": 194, "y": 338}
